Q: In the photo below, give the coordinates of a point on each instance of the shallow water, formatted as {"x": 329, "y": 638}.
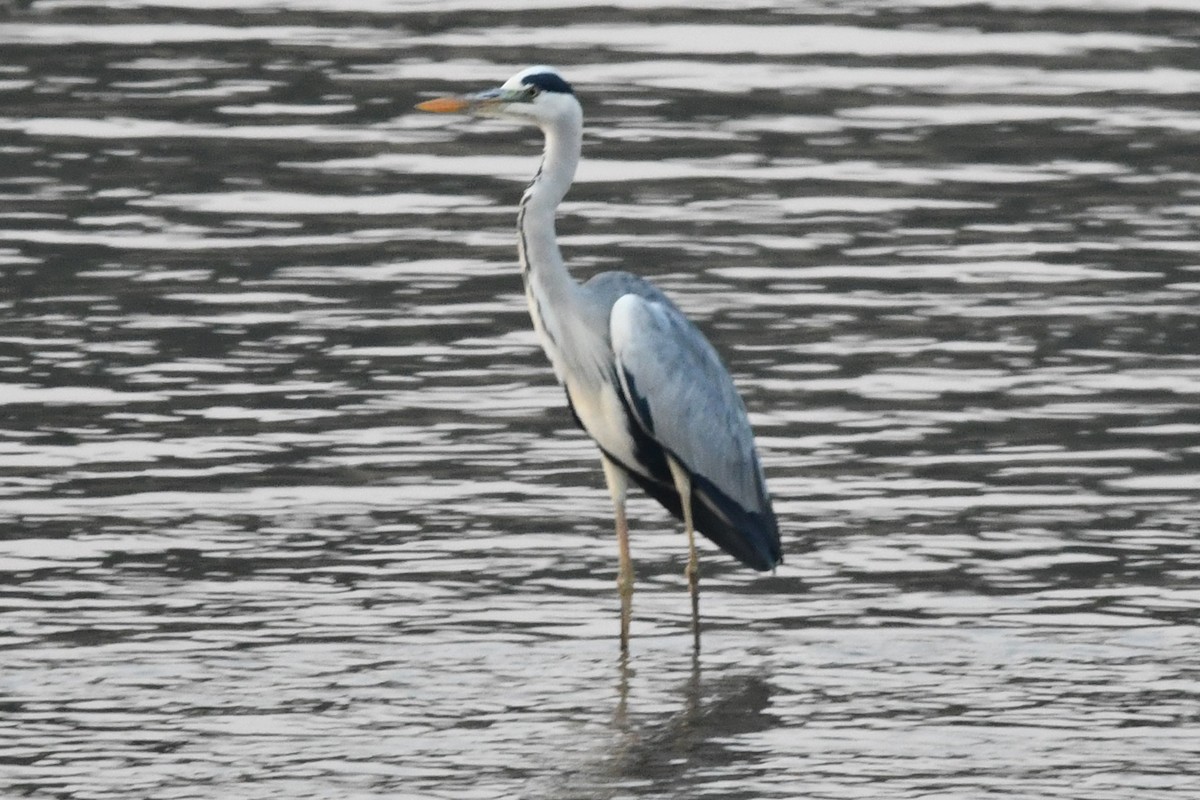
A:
{"x": 291, "y": 506}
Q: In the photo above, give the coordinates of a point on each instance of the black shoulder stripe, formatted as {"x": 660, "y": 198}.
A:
{"x": 640, "y": 406}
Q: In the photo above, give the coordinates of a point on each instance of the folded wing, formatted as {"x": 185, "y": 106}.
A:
{"x": 682, "y": 398}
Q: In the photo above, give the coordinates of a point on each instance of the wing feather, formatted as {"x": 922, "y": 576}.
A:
{"x": 681, "y": 395}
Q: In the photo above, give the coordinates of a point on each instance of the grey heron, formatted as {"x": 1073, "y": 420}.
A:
{"x": 640, "y": 379}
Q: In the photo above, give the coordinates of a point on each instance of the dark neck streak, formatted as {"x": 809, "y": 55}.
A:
{"x": 548, "y": 285}
{"x": 555, "y": 301}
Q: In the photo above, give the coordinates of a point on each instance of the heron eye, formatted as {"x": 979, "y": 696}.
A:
{"x": 532, "y": 91}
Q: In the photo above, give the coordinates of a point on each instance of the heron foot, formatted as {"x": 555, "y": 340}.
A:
{"x": 625, "y": 590}
{"x": 692, "y": 571}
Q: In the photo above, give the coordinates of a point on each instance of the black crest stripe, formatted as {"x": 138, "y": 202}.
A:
{"x": 548, "y": 82}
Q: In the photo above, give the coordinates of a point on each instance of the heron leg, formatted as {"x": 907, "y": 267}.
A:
{"x": 618, "y": 485}
{"x": 683, "y": 485}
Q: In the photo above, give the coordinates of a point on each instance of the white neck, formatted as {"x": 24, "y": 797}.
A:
{"x": 539, "y": 247}
{"x": 554, "y": 296}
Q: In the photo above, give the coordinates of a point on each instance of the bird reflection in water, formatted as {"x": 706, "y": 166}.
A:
{"x": 666, "y": 751}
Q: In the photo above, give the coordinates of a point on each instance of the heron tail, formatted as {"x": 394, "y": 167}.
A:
{"x": 752, "y": 537}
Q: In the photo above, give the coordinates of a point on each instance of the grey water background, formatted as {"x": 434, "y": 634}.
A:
{"x": 290, "y": 505}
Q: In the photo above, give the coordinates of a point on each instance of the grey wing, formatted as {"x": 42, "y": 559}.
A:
{"x": 682, "y": 397}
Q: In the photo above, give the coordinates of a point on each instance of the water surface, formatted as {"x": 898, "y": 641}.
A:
{"x": 291, "y": 505}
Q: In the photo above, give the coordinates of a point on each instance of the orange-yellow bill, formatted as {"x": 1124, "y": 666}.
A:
{"x": 444, "y": 105}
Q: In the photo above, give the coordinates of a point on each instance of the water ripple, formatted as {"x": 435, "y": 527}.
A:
{"x": 291, "y": 502}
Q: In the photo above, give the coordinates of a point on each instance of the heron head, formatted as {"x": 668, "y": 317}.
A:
{"x": 537, "y": 95}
